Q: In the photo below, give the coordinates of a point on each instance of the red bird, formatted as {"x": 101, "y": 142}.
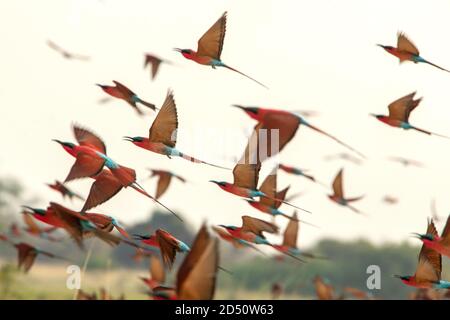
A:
{"x": 154, "y": 63}
{"x": 91, "y": 157}
{"x": 164, "y": 179}
{"x": 287, "y": 124}
{"x": 27, "y": 254}
{"x": 33, "y": 229}
{"x": 119, "y": 91}
{"x": 157, "y": 274}
{"x": 440, "y": 244}
{"x": 338, "y": 194}
{"x": 65, "y": 192}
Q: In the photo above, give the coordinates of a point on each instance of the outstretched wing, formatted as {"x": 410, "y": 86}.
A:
{"x": 429, "y": 266}
{"x": 163, "y": 184}
{"x": 89, "y": 139}
{"x": 404, "y": 44}
{"x": 211, "y": 43}
{"x": 291, "y": 233}
{"x": 398, "y": 109}
{"x": 105, "y": 186}
{"x": 337, "y": 185}
{"x": 269, "y": 187}
{"x": 168, "y": 246}
{"x": 165, "y": 125}
{"x": 257, "y": 226}
{"x": 85, "y": 166}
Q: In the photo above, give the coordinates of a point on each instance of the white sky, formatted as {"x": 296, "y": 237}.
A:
{"x": 318, "y": 55}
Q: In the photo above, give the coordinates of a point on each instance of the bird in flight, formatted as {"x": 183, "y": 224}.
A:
{"x": 210, "y": 47}
{"x": 287, "y": 124}
{"x": 338, "y": 194}
{"x": 66, "y": 54}
{"x": 162, "y": 136}
{"x": 343, "y": 156}
{"x": 433, "y": 241}
{"x": 154, "y": 62}
{"x": 120, "y": 91}
{"x": 27, "y": 254}
{"x": 407, "y": 162}
{"x": 164, "y": 180}
{"x": 33, "y": 229}
{"x": 429, "y": 267}
{"x": 407, "y": 51}
{"x": 91, "y": 157}
{"x": 399, "y": 112}
{"x": 298, "y": 172}
{"x": 157, "y": 273}
{"x": 65, "y": 192}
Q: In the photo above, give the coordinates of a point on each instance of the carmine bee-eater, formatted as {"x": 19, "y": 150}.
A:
{"x": 66, "y": 54}
{"x": 210, "y": 47}
{"x": 197, "y": 276}
{"x": 399, "y": 112}
{"x": 119, "y": 91}
{"x": 390, "y": 199}
{"x": 91, "y": 157}
{"x": 287, "y": 124}
{"x": 27, "y": 254}
{"x": 65, "y": 192}
{"x": 338, "y": 194}
{"x": 246, "y": 174}
{"x": 276, "y": 291}
{"x": 252, "y": 230}
{"x": 429, "y": 267}
{"x": 154, "y": 62}
{"x": 298, "y": 172}
{"x": 324, "y": 290}
{"x": 441, "y": 244}
{"x": 407, "y": 162}
{"x": 33, "y": 229}
{"x": 164, "y": 179}
{"x": 157, "y": 273}
{"x": 236, "y": 242}
{"x": 289, "y": 245}
{"x": 343, "y": 156}
{"x": 407, "y": 51}
{"x": 167, "y": 244}
{"x": 162, "y": 136}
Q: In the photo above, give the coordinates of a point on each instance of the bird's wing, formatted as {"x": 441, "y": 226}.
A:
{"x": 291, "y": 233}
{"x": 413, "y": 104}
{"x": 125, "y": 90}
{"x": 105, "y": 186}
{"x": 163, "y": 184}
{"x": 337, "y": 185}
{"x": 404, "y": 44}
{"x": 54, "y": 46}
{"x": 269, "y": 187}
{"x": 168, "y": 246}
{"x": 155, "y": 63}
{"x": 429, "y": 266}
{"x": 70, "y": 220}
{"x": 165, "y": 125}
{"x": 89, "y": 139}
{"x": 157, "y": 272}
{"x": 211, "y": 43}
{"x": 281, "y": 195}
{"x": 398, "y": 109}
{"x": 197, "y": 276}
{"x": 31, "y": 223}
{"x": 446, "y": 233}
{"x": 28, "y": 260}
{"x": 257, "y": 226}
{"x": 85, "y": 166}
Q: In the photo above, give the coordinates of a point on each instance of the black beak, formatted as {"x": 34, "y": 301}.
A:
{"x": 128, "y": 138}
{"x": 177, "y": 49}
{"x": 139, "y": 237}
{"x": 59, "y": 141}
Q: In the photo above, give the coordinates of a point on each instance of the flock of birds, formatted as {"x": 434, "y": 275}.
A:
{"x": 197, "y": 274}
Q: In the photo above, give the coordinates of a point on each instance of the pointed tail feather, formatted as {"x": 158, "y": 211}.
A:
{"x": 290, "y": 255}
{"x": 429, "y": 132}
{"x": 300, "y": 220}
{"x": 434, "y": 65}
{"x": 285, "y": 202}
{"x": 148, "y": 104}
{"x": 334, "y": 138}
{"x": 356, "y": 210}
{"x": 138, "y": 188}
{"x": 241, "y": 73}
{"x": 192, "y": 159}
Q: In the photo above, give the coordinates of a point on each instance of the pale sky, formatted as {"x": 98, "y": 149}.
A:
{"x": 317, "y": 55}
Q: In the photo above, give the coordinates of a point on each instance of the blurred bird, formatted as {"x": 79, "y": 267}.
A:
{"x": 14, "y": 230}
{"x": 290, "y": 236}
{"x": 252, "y": 230}
{"x": 167, "y": 244}
{"x": 390, "y": 199}
{"x": 287, "y": 124}
{"x": 338, "y": 194}
{"x": 27, "y": 255}
{"x": 324, "y": 290}
{"x": 343, "y": 156}
{"x": 407, "y": 51}
{"x": 298, "y": 172}
{"x": 157, "y": 273}
{"x": 276, "y": 291}
{"x": 164, "y": 179}
{"x": 33, "y": 229}
{"x": 120, "y": 91}
{"x": 399, "y": 112}
{"x": 106, "y": 223}
{"x": 429, "y": 267}
{"x": 440, "y": 244}
{"x": 65, "y": 192}
{"x": 91, "y": 157}
{"x": 197, "y": 276}
{"x": 163, "y": 133}
{"x": 139, "y": 254}
{"x": 357, "y": 293}
{"x": 210, "y": 47}
{"x": 407, "y": 162}
{"x": 236, "y": 242}
{"x": 66, "y": 54}
{"x": 154, "y": 62}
